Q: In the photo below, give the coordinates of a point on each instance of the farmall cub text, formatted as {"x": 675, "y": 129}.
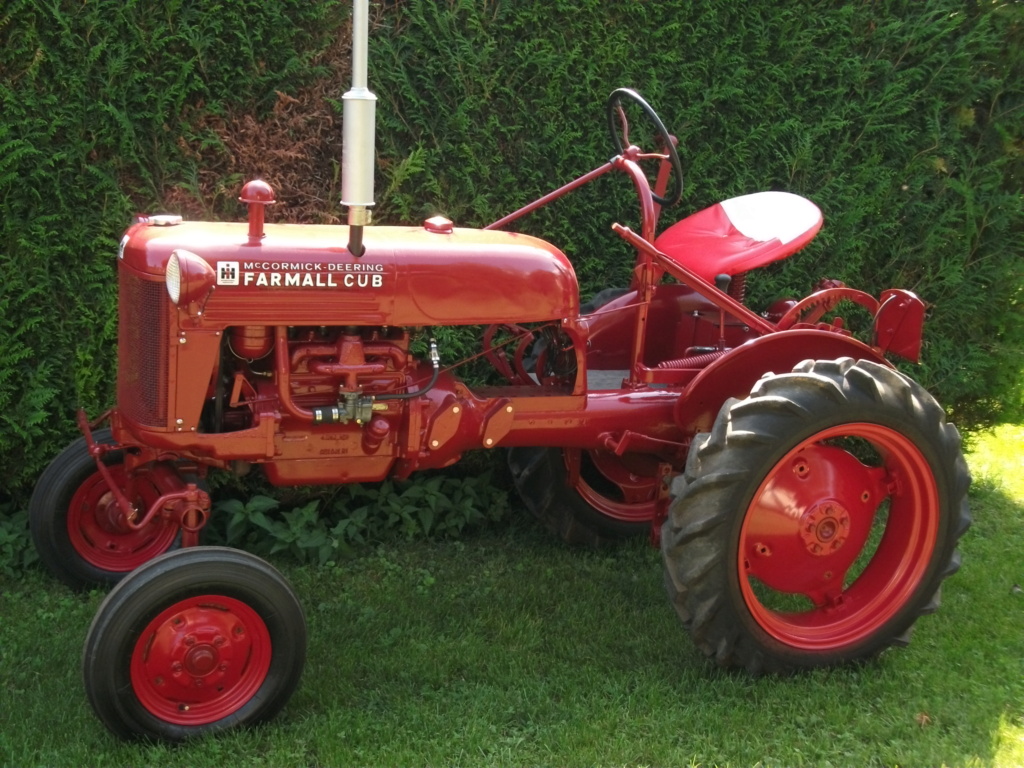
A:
{"x": 817, "y": 494}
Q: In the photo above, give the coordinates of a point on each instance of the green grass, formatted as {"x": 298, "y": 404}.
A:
{"x": 508, "y": 649}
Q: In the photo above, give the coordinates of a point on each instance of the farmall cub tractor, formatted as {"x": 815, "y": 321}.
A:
{"x": 807, "y": 496}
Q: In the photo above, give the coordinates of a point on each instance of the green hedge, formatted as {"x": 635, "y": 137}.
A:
{"x": 902, "y": 120}
{"x": 102, "y": 105}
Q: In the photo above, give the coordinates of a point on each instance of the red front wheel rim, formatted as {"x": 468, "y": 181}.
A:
{"x": 200, "y": 660}
{"x": 99, "y": 540}
{"x": 849, "y": 537}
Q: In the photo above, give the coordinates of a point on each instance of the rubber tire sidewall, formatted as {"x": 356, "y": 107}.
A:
{"x": 160, "y": 583}
{"x": 48, "y": 514}
{"x": 542, "y": 480}
{"x": 706, "y": 590}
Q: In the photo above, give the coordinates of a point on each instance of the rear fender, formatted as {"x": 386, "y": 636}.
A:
{"x": 734, "y": 374}
{"x": 899, "y": 324}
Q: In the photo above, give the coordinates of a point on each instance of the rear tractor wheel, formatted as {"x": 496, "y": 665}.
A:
{"x": 76, "y": 524}
{"x": 817, "y": 520}
{"x": 587, "y": 498}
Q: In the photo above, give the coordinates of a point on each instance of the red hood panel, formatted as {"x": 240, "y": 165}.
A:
{"x": 304, "y": 275}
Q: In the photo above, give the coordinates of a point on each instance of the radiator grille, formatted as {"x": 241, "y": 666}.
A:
{"x": 142, "y": 349}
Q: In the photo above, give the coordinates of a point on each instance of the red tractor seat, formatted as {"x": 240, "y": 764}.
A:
{"x": 741, "y": 233}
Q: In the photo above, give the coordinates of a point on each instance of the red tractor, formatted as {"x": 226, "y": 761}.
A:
{"x": 807, "y": 496}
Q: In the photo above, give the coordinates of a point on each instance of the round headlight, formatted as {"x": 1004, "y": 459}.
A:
{"x": 173, "y": 278}
{"x": 189, "y": 278}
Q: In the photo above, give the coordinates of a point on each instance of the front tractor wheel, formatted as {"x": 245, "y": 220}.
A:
{"x": 76, "y": 524}
{"x": 195, "y": 642}
{"x": 817, "y": 520}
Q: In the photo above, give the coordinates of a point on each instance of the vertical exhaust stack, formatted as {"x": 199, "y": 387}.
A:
{"x": 358, "y": 158}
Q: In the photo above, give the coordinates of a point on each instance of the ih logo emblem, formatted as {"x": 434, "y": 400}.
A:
{"x": 227, "y": 273}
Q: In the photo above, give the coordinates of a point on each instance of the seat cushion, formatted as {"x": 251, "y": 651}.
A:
{"x": 741, "y": 233}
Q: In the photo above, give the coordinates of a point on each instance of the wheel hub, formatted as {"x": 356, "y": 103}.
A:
{"x": 201, "y": 661}
{"x": 109, "y": 514}
{"x": 824, "y": 527}
{"x": 196, "y": 654}
{"x": 99, "y": 532}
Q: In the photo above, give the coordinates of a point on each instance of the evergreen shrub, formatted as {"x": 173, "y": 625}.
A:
{"x": 901, "y": 120}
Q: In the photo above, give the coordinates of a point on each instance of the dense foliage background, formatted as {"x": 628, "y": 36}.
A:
{"x": 902, "y": 120}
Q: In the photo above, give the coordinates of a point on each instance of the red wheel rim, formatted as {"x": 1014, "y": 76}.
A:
{"x": 99, "y": 540}
{"x": 200, "y": 660}
{"x": 808, "y": 531}
{"x": 621, "y": 488}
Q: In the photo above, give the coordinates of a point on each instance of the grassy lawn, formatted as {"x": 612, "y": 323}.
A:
{"x": 508, "y": 649}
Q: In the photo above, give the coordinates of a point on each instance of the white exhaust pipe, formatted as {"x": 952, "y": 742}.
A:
{"x": 359, "y": 119}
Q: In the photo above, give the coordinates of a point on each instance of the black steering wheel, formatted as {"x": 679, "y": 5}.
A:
{"x": 618, "y": 126}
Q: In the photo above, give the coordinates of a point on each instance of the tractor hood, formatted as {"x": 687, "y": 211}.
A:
{"x": 408, "y": 276}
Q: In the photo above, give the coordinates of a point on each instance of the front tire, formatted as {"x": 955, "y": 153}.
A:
{"x": 817, "y": 520}
{"x": 74, "y": 520}
{"x": 193, "y": 643}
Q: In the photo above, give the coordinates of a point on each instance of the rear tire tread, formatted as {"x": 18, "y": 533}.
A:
{"x": 702, "y": 525}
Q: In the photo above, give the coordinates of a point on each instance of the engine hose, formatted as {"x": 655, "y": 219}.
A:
{"x": 435, "y": 360}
